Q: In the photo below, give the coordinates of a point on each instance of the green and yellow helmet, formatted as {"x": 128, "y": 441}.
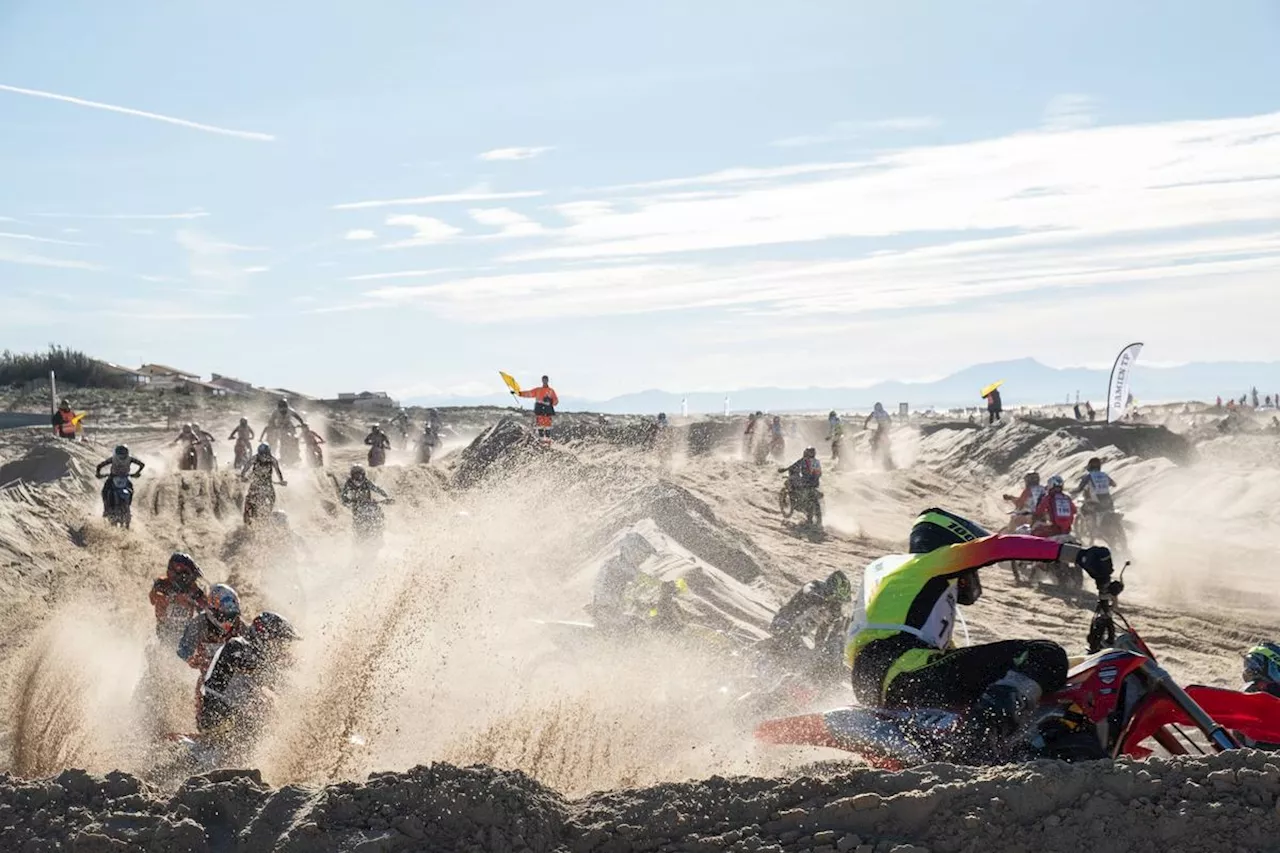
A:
{"x": 1262, "y": 663}
{"x": 935, "y": 528}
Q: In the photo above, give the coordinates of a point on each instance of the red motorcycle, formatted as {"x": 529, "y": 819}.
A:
{"x": 1114, "y": 701}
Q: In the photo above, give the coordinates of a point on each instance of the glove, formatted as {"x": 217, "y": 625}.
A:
{"x": 1096, "y": 562}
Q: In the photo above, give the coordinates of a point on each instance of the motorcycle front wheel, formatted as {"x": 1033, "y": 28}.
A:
{"x": 784, "y": 502}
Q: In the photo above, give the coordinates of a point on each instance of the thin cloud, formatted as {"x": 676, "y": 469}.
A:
{"x": 509, "y": 222}
{"x": 34, "y": 239}
{"x": 375, "y": 276}
{"x": 129, "y": 111}
{"x": 16, "y": 256}
{"x": 516, "y": 153}
{"x": 446, "y": 198}
{"x": 1069, "y": 112}
{"x": 190, "y": 214}
{"x": 427, "y": 230}
{"x": 359, "y": 234}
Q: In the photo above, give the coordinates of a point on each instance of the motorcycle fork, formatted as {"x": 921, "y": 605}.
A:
{"x": 1159, "y": 681}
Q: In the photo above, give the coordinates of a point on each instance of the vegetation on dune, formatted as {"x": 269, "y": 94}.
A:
{"x": 71, "y": 366}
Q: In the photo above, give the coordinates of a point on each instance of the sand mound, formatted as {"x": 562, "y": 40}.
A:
{"x": 1210, "y": 804}
{"x": 43, "y": 463}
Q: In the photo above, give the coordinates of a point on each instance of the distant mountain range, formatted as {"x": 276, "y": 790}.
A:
{"x": 1027, "y": 381}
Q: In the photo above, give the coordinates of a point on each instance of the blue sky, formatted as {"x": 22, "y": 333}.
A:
{"x": 413, "y": 195}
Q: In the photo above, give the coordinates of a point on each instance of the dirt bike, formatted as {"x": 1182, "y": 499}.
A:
{"x": 260, "y": 500}
{"x": 880, "y": 450}
{"x": 117, "y": 506}
{"x": 777, "y": 447}
{"x": 1115, "y": 699}
{"x": 189, "y": 460}
{"x": 206, "y": 460}
{"x": 289, "y": 452}
{"x": 315, "y": 454}
{"x": 368, "y": 519}
{"x": 377, "y": 456}
{"x": 426, "y": 445}
{"x": 244, "y": 450}
{"x": 1104, "y": 525}
{"x": 807, "y": 500}
{"x": 1063, "y": 574}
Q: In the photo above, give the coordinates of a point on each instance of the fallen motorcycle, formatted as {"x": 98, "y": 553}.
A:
{"x": 1115, "y": 699}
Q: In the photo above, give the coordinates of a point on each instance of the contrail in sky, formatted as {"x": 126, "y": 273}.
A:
{"x": 180, "y": 122}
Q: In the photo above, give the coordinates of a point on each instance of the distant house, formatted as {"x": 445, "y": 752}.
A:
{"x": 286, "y": 393}
{"x": 162, "y": 376}
{"x": 230, "y": 385}
{"x": 128, "y": 374}
{"x": 195, "y": 386}
{"x": 365, "y": 400}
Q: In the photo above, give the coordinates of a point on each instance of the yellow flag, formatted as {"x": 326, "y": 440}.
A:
{"x": 510, "y": 380}
{"x": 78, "y": 418}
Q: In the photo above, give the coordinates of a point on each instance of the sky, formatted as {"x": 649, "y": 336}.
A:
{"x": 410, "y": 196}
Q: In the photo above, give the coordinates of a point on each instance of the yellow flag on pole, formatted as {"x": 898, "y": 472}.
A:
{"x": 510, "y": 380}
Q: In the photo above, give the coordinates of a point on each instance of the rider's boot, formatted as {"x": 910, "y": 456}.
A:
{"x": 1007, "y": 706}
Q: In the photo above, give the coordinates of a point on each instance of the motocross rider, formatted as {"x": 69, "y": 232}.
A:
{"x": 1056, "y": 513}
{"x": 121, "y": 466}
{"x": 243, "y": 435}
{"x": 817, "y": 610}
{"x": 1096, "y": 486}
{"x": 378, "y": 442}
{"x": 260, "y": 467}
{"x": 217, "y": 623}
{"x": 177, "y": 597}
{"x": 609, "y": 597}
{"x": 835, "y": 435}
{"x": 805, "y": 473}
{"x": 284, "y": 417}
{"x": 899, "y": 643}
{"x": 880, "y": 416}
{"x": 236, "y": 684}
{"x": 1024, "y": 505}
{"x": 1262, "y": 669}
{"x": 359, "y": 489}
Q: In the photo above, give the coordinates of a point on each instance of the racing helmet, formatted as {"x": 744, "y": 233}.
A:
{"x": 810, "y": 453}
{"x": 833, "y": 416}
{"x": 264, "y": 449}
{"x": 122, "y": 451}
{"x": 1055, "y": 482}
{"x": 244, "y": 422}
{"x": 838, "y": 584}
{"x": 182, "y": 569}
{"x": 1262, "y": 663}
{"x": 282, "y": 404}
{"x": 936, "y": 528}
{"x": 1031, "y": 478}
{"x": 272, "y": 626}
{"x": 1094, "y": 464}
{"x": 224, "y": 605}
{"x": 357, "y": 472}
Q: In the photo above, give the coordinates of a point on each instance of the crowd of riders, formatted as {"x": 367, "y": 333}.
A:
{"x": 239, "y": 662}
